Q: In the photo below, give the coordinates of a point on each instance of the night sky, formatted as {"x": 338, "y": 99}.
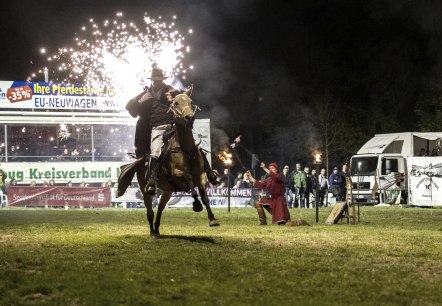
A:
{"x": 290, "y": 76}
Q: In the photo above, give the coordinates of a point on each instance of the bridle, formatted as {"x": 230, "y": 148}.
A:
{"x": 180, "y": 113}
{"x": 184, "y": 110}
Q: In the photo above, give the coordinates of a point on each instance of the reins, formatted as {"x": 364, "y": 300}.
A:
{"x": 180, "y": 113}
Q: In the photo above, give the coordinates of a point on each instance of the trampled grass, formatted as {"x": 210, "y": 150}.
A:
{"x": 106, "y": 257}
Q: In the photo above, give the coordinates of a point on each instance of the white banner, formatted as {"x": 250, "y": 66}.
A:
{"x": 218, "y": 197}
{"x": 62, "y": 172}
{"x": 425, "y": 181}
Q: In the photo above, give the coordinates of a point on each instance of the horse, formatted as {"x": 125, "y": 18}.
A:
{"x": 182, "y": 167}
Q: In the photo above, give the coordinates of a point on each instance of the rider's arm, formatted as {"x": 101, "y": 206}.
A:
{"x": 133, "y": 106}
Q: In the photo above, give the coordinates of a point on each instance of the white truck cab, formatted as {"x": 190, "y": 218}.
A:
{"x": 379, "y": 169}
{"x": 374, "y": 173}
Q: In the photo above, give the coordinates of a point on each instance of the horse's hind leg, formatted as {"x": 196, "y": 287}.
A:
{"x": 205, "y": 199}
{"x": 149, "y": 212}
{"x": 147, "y": 199}
{"x": 163, "y": 201}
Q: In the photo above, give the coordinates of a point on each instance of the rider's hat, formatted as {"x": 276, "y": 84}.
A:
{"x": 157, "y": 75}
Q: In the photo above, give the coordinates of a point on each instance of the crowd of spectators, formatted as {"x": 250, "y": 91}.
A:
{"x": 62, "y": 153}
{"x": 32, "y": 143}
{"x": 300, "y": 184}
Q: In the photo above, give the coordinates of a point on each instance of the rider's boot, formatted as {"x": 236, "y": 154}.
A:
{"x": 154, "y": 166}
{"x": 212, "y": 176}
{"x": 261, "y": 215}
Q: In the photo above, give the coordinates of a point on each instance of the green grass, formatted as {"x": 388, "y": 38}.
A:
{"x": 106, "y": 257}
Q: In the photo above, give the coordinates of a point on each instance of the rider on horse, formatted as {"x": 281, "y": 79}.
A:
{"x": 152, "y": 107}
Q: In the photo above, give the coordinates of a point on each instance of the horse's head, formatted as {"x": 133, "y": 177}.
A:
{"x": 183, "y": 109}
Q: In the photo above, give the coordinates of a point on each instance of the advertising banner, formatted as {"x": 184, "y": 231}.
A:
{"x": 62, "y": 172}
{"x": 425, "y": 181}
{"x": 58, "y": 196}
{"x": 96, "y": 197}
{"x": 218, "y": 197}
{"x": 58, "y": 96}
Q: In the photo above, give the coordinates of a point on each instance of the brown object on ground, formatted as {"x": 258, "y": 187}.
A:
{"x": 297, "y": 223}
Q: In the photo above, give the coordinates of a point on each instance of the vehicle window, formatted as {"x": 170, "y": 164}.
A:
{"x": 364, "y": 165}
{"x": 389, "y": 165}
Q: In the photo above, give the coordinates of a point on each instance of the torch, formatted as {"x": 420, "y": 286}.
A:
{"x": 226, "y": 158}
{"x": 317, "y": 160}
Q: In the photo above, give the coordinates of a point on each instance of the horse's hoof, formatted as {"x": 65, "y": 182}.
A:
{"x": 197, "y": 206}
{"x": 213, "y": 223}
{"x": 154, "y": 234}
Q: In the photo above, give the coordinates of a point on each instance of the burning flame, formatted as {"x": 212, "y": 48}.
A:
{"x": 317, "y": 157}
{"x": 226, "y": 158}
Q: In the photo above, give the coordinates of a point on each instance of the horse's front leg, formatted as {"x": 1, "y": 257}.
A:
{"x": 163, "y": 201}
{"x": 197, "y": 206}
{"x": 205, "y": 199}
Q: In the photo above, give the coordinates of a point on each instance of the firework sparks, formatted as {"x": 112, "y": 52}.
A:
{"x": 119, "y": 54}
{"x": 63, "y": 132}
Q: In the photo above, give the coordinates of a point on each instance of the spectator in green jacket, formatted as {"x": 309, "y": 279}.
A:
{"x": 3, "y": 177}
{"x": 300, "y": 182}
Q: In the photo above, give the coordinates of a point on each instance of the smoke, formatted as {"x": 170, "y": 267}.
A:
{"x": 214, "y": 74}
{"x": 219, "y": 117}
{"x": 212, "y": 62}
{"x": 294, "y": 140}
{"x": 275, "y": 106}
{"x": 221, "y": 139}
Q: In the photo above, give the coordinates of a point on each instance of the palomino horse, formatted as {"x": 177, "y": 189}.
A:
{"x": 183, "y": 162}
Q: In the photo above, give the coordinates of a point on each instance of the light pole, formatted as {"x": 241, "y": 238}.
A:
{"x": 46, "y": 73}
{"x": 317, "y": 160}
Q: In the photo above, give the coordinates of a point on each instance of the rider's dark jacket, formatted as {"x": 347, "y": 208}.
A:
{"x": 151, "y": 112}
{"x": 159, "y": 113}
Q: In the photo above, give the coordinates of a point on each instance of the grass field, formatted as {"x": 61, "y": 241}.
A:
{"x": 106, "y": 257}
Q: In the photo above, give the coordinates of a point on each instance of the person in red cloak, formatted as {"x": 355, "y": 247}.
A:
{"x": 275, "y": 204}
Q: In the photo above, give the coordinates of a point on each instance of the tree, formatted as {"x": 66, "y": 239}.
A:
{"x": 429, "y": 110}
